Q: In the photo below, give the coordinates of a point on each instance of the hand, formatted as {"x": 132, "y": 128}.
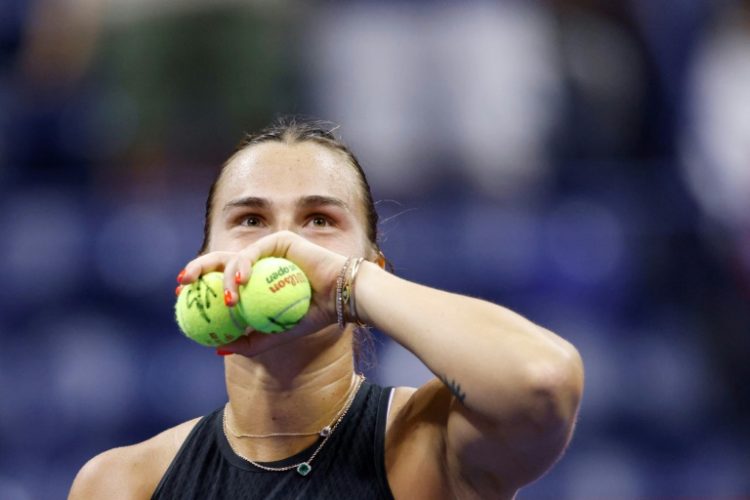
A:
{"x": 321, "y": 266}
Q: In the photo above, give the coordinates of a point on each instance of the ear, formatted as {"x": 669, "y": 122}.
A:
{"x": 375, "y": 255}
{"x": 380, "y": 259}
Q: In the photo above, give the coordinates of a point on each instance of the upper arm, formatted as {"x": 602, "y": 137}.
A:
{"x": 522, "y": 441}
{"x": 471, "y": 455}
{"x": 486, "y": 456}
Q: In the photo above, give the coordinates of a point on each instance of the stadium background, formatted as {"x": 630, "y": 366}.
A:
{"x": 583, "y": 162}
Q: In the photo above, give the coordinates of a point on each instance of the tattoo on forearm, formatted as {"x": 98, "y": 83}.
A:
{"x": 454, "y": 387}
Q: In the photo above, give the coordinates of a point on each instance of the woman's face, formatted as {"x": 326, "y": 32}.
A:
{"x": 304, "y": 187}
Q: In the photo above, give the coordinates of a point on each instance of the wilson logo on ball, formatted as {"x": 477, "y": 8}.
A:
{"x": 293, "y": 280}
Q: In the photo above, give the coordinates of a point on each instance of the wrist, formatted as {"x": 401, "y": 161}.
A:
{"x": 345, "y": 295}
{"x": 364, "y": 277}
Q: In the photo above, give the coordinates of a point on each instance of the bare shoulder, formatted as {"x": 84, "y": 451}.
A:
{"x": 130, "y": 472}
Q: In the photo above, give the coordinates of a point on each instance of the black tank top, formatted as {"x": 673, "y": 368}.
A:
{"x": 350, "y": 465}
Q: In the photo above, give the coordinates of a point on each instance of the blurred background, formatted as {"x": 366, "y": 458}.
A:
{"x": 584, "y": 162}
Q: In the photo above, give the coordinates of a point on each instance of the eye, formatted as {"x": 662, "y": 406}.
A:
{"x": 320, "y": 221}
{"x": 251, "y": 221}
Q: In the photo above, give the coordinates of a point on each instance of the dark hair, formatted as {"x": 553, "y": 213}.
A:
{"x": 291, "y": 130}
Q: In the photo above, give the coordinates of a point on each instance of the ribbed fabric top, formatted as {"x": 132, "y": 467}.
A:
{"x": 350, "y": 465}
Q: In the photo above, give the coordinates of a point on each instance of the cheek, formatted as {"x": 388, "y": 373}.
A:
{"x": 364, "y": 247}
{"x": 369, "y": 249}
{"x": 220, "y": 238}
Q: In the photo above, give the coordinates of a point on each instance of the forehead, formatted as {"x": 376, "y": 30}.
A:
{"x": 281, "y": 171}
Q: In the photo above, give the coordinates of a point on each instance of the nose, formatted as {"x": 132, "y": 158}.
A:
{"x": 285, "y": 222}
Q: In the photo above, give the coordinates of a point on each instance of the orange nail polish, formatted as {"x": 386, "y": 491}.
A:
{"x": 178, "y": 290}
{"x": 238, "y": 277}
{"x": 227, "y": 298}
{"x": 181, "y": 275}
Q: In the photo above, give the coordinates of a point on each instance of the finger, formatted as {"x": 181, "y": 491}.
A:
{"x": 256, "y": 342}
{"x": 231, "y": 290}
{"x": 240, "y": 275}
{"x": 213, "y": 261}
{"x": 273, "y": 245}
{"x": 238, "y": 345}
{"x": 238, "y": 269}
{"x": 237, "y": 273}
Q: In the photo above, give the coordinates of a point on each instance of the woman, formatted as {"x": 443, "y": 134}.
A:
{"x": 300, "y": 423}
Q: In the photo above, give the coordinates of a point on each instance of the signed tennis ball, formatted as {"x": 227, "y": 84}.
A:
{"x": 202, "y": 316}
{"x": 276, "y": 297}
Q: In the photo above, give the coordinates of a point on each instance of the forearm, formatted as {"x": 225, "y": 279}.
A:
{"x": 493, "y": 360}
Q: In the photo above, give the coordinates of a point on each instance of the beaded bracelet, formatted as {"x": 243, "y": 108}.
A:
{"x": 340, "y": 293}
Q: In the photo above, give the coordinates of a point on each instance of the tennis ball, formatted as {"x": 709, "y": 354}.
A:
{"x": 276, "y": 297}
{"x": 202, "y": 316}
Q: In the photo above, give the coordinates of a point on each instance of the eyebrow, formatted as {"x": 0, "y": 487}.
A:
{"x": 318, "y": 200}
{"x": 247, "y": 202}
{"x": 303, "y": 202}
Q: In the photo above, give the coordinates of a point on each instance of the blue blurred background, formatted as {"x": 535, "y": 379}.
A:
{"x": 584, "y": 162}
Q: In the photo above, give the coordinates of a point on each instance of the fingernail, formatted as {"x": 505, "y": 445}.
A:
{"x": 223, "y": 352}
{"x": 178, "y": 290}
{"x": 181, "y": 275}
{"x": 227, "y": 298}
{"x": 238, "y": 277}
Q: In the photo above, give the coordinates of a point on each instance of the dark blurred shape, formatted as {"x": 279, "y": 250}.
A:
{"x": 607, "y": 79}
{"x": 198, "y": 78}
{"x": 12, "y": 21}
{"x": 51, "y": 50}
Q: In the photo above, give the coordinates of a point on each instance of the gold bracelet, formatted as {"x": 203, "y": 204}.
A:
{"x": 353, "y": 314}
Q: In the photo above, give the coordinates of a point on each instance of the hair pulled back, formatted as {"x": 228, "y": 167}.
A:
{"x": 293, "y": 130}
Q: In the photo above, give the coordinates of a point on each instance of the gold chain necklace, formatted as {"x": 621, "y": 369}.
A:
{"x": 322, "y": 432}
{"x": 303, "y": 468}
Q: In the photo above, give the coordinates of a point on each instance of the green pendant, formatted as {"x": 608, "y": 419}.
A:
{"x": 304, "y": 469}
